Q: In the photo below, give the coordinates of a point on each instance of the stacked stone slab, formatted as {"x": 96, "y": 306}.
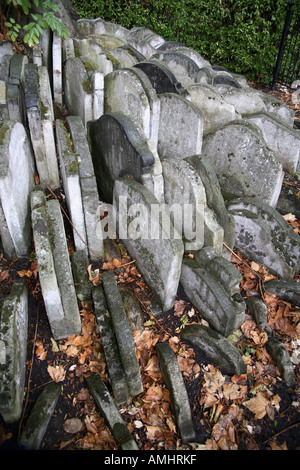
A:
{"x": 16, "y": 176}
{"x": 54, "y": 266}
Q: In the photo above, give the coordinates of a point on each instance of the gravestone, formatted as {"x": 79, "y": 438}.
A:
{"x": 13, "y": 343}
{"x": 16, "y": 176}
{"x": 57, "y": 68}
{"x": 14, "y": 88}
{"x": 180, "y": 127}
{"x": 161, "y": 77}
{"x": 149, "y": 239}
{"x": 184, "y": 68}
{"x": 237, "y": 152}
{"x": 264, "y": 236}
{"x": 78, "y": 90}
{"x": 118, "y": 149}
{"x": 191, "y": 53}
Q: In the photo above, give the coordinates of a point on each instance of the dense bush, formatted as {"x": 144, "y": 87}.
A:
{"x": 241, "y": 35}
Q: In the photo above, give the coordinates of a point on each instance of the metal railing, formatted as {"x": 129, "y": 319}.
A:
{"x": 287, "y": 67}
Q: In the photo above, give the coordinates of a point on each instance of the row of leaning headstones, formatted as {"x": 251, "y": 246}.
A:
{"x": 138, "y": 115}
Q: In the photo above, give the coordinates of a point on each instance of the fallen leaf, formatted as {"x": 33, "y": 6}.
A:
{"x": 55, "y": 348}
{"x": 257, "y": 405}
{"x": 179, "y": 307}
{"x": 72, "y": 425}
{"x": 26, "y": 273}
{"x": 40, "y": 351}
{"x": 57, "y": 373}
{"x": 4, "y": 275}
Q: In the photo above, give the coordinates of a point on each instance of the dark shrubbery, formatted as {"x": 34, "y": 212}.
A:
{"x": 240, "y": 35}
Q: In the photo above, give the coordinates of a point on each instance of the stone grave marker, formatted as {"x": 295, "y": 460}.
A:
{"x": 161, "y": 77}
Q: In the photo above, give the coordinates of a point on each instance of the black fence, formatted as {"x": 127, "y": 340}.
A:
{"x": 287, "y": 67}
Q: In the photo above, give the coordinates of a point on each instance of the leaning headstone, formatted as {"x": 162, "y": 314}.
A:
{"x": 215, "y": 110}
{"x": 130, "y": 92}
{"x": 111, "y": 413}
{"x": 286, "y": 290}
{"x": 14, "y": 88}
{"x": 178, "y": 394}
{"x": 259, "y": 312}
{"x": 215, "y": 200}
{"x": 123, "y": 334}
{"x": 48, "y": 236}
{"x": 180, "y": 127}
{"x": 78, "y": 90}
{"x": 57, "y": 68}
{"x": 152, "y": 242}
{"x": 244, "y": 100}
{"x": 191, "y": 53}
{"x": 161, "y": 77}
{"x": 16, "y": 176}
{"x": 183, "y": 67}
{"x": 282, "y": 360}
{"x": 265, "y": 237}
{"x": 13, "y": 343}
{"x": 83, "y": 287}
{"x": 36, "y": 425}
{"x": 217, "y": 349}
{"x": 237, "y": 152}
{"x": 280, "y": 138}
{"x": 110, "y": 346}
{"x": 224, "y": 312}
{"x": 118, "y": 149}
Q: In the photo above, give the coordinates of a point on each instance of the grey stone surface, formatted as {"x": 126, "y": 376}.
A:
{"x": 111, "y": 413}
{"x": 83, "y": 287}
{"x": 14, "y": 88}
{"x": 16, "y": 176}
{"x": 183, "y": 66}
{"x": 280, "y": 138}
{"x": 158, "y": 254}
{"x": 132, "y": 308}
{"x": 237, "y": 152}
{"x": 37, "y": 422}
{"x": 13, "y": 336}
{"x": 264, "y": 236}
{"x": 161, "y": 77}
{"x": 216, "y": 348}
{"x": 224, "y": 312}
{"x": 286, "y": 290}
{"x": 215, "y": 200}
{"x": 180, "y": 127}
{"x": 116, "y": 372}
{"x": 259, "y": 312}
{"x": 57, "y": 68}
{"x": 282, "y": 359}
{"x": 178, "y": 394}
{"x": 123, "y": 334}
{"x": 118, "y": 149}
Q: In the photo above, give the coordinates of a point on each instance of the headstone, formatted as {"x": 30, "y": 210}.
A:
{"x": 191, "y": 53}
{"x": 36, "y": 425}
{"x": 14, "y": 88}
{"x": 110, "y": 346}
{"x": 215, "y": 110}
{"x": 280, "y": 138}
{"x": 57, "y": 68}
{"x": 265, "y": 237}
{"x": 149, "y": 239}
{"x": 16, "y": 175}
{"x": 217, "y": 349}
{"x": 223, "y": 310}
{"x": 123, "y": 334}
{"x": 244, "y": 100}
{"x": 83, "y": 286}
{"x": 161, "y": 77}
{"x": 282, "y": 359}
{"x": 180, "y": 127}
{"x": 118, "y": 149}
{"x": 13, "y": 344}
{"x": 78, "y": 90}
{"x": 183, "y": 66}
{"x": 237, "y": 152}
{"x": 108, "y": 41}
{"x": 93, "y": 55}
{"x": 286, "y": 290}
{"x": 178, "y": 394}
{"x": 217, "y": 78}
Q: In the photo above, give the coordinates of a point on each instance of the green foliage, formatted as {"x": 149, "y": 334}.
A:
{"x": 242, "y": 36}
{"x": 42, "y": 14}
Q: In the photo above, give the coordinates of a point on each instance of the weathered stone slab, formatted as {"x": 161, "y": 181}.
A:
{"x": 178, "y": 394}
{"x": 172, "y": 46}
{"x": 161, "y": 77}
{"x": 111, "y": 413}
{"x": 184, "y": 68}
{"x": 216, "y": 348}
{"x": 118, "y": 149}
{"x": 215, "y": 110}
{"x": 286, "y": 290}
{"x": 108, "y": 41}
{"x": 280, "y": 138}
{"x": 132, "y": 308}
{"x": 244, "y": 100}
{"x": 44, "y": 239}
{"x": 16, "y": 176}
{"x": 78, "y": 90}
{"x": 71, "y": 184}
{"x": 180, "y": 127}
{"x": 259, "y": 312}
{"x": 57, "y": 68}
{"x": 264, "y": 236}
{"x": 99, "y": 26}
{"x": 123, "y": 334}
{"x": 39, "y": 418}
{"x": 13, "y": 338}
{"x": 277, "y": 108}
{"x": 130, "y": 92}
{"x": 81, "y": 146}
{"x": 215, "y": 200}
{"x": 93, "y": 55}
{"x": 63, "y": 268}
{"x": 217, "y": 78}
{"x": 223, "y": 312}
{"x": 153, "y": 243}
{"x": 237, "y": 152}
{"x": 282, "y": 359}
{"x": 14, "y": 92}
{"x": 83, "y": 287}
{"x": 108, "y": 340}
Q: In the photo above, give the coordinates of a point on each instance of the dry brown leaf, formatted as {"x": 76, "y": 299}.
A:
{"x": 4, "y": 275}
{"x": 258, "y": 405}
{"x": 179, "y": 307}
{"x": 57, "y": 373}
{"x": 26, "y": 273}
{"x": 40, "y": 351}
